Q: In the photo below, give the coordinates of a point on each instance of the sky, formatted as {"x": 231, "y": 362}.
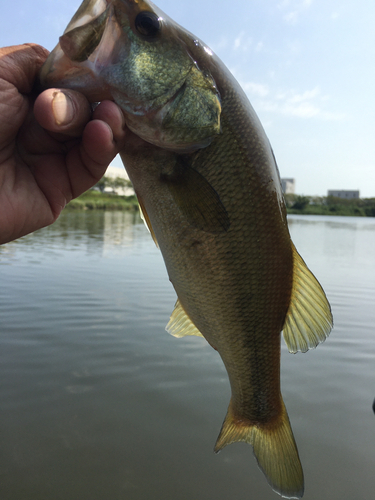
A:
{"x": 307, "y": 67}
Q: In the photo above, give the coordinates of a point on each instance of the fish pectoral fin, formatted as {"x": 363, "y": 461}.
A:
{"x": 309, "y": 318}
{"x": 180, "y": 324}
{"x": 196, "y": 198}
{"x": 274, "y": 448}
{"x": 146, "y": 219}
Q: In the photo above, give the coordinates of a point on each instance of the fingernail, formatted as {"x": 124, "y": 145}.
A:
{"x": 62, "y": 108}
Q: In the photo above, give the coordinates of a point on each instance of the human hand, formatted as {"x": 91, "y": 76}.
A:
{"x": 51, "y": 148}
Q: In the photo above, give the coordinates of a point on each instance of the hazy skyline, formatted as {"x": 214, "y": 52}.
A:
{"x": 306, "y": 66}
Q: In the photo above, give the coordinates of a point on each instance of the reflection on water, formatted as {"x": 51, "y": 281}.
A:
{"x": 339, "y": 239}
{"x": 96, "y": 231}
{"x": 99, "y": 402}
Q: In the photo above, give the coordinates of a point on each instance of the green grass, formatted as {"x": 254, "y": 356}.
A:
{"x": 308, "y": 205}
{"x": 329, "y": 210}
{"x": 304, "y": 205}
{"x": 94, "y": 200}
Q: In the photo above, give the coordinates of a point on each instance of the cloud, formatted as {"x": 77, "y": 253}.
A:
{"x": 301, "y": 109}
{"x": 256, "y": 89}
{"x": 221, "y": 44}
{"x": 308, "y": 104}
{"x": 291, "y": 17}
{"x": 284, "y": 4}
{"x": 305, "y": 96}
{"x": 294, "y": 9}
{"x": 242, "y": 43}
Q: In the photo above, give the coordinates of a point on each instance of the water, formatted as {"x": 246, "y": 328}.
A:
{"x": 98, "y": 402}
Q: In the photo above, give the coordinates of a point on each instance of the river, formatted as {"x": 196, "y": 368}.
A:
{"x": 99, "y": 402}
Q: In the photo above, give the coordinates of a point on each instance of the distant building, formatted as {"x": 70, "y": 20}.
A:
{"x": 288, "y": 186}
{"x": 347, "y": 195}
{"x": 113, "y": 173}
{"x": 116, "y": 172}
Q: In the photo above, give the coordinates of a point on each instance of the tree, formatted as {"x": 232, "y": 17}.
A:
{"x": 102, "y": 184}
{"x": 114, "y": 183}
{"x": 301, "y": 202}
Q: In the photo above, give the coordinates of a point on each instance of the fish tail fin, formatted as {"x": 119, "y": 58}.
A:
{"x": 274, "y": 448}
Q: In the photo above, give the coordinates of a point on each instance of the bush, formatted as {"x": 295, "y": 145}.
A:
{"x": 301, "y": 202}
{"x": 330, "y": 206}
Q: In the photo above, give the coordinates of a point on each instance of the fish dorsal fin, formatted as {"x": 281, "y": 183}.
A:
{"x": 309, "y": 318}
{"x": 180, "y": 324}
{"x": 146, "y": 219}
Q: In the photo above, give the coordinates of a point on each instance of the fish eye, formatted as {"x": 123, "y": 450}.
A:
{"x": 148, "y": 24}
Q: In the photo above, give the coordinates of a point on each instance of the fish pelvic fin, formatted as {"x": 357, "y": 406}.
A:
{"x": 146, "y": 219}
{"x": 309, "y": 318}
{"x": 274, "y": 448}
{"x": 180, "y": 324}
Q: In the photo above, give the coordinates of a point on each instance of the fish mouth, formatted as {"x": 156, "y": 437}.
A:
{"x": 92, "y": 41}
{"x": 95, "y": 41}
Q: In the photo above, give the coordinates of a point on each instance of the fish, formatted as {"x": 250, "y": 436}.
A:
{"x": 209, "y": 190}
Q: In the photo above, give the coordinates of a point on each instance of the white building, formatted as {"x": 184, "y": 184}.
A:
{"x": 113, "y": 173}
{"x": 288, "y": 186}
{"x": 347, "y": 195}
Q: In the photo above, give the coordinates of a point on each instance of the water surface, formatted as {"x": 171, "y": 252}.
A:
{"x": 99, "y": 402}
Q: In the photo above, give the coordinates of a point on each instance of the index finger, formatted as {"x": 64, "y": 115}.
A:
{"x": 20, "y": 64}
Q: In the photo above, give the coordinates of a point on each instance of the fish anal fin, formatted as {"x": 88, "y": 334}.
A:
{"x": 146, "y": 219}
{"x": 180, "y": 325}
{"x": 274, "y": 448}
{"x": 309, "y": 318}
{"x": 196, "y": 198}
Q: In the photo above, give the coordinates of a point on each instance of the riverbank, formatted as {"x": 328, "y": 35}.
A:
{"x": 95, "y": 200}
{"x": 329, "y": 205}
{"x": 327, "y": 210}
{"x": 299, "y": 205}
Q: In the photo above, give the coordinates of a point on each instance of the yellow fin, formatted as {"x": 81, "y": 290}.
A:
{"x": 309, "y": 318}
{"x": 180, "y": 324}
{"x": 146, "y": 220}
{"x": 274, "y": 448}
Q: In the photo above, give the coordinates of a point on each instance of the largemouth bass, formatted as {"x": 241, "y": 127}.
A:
{"x": 209, "y": 189}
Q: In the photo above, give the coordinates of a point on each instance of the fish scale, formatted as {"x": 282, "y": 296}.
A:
{"x": 209, "y": 190}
